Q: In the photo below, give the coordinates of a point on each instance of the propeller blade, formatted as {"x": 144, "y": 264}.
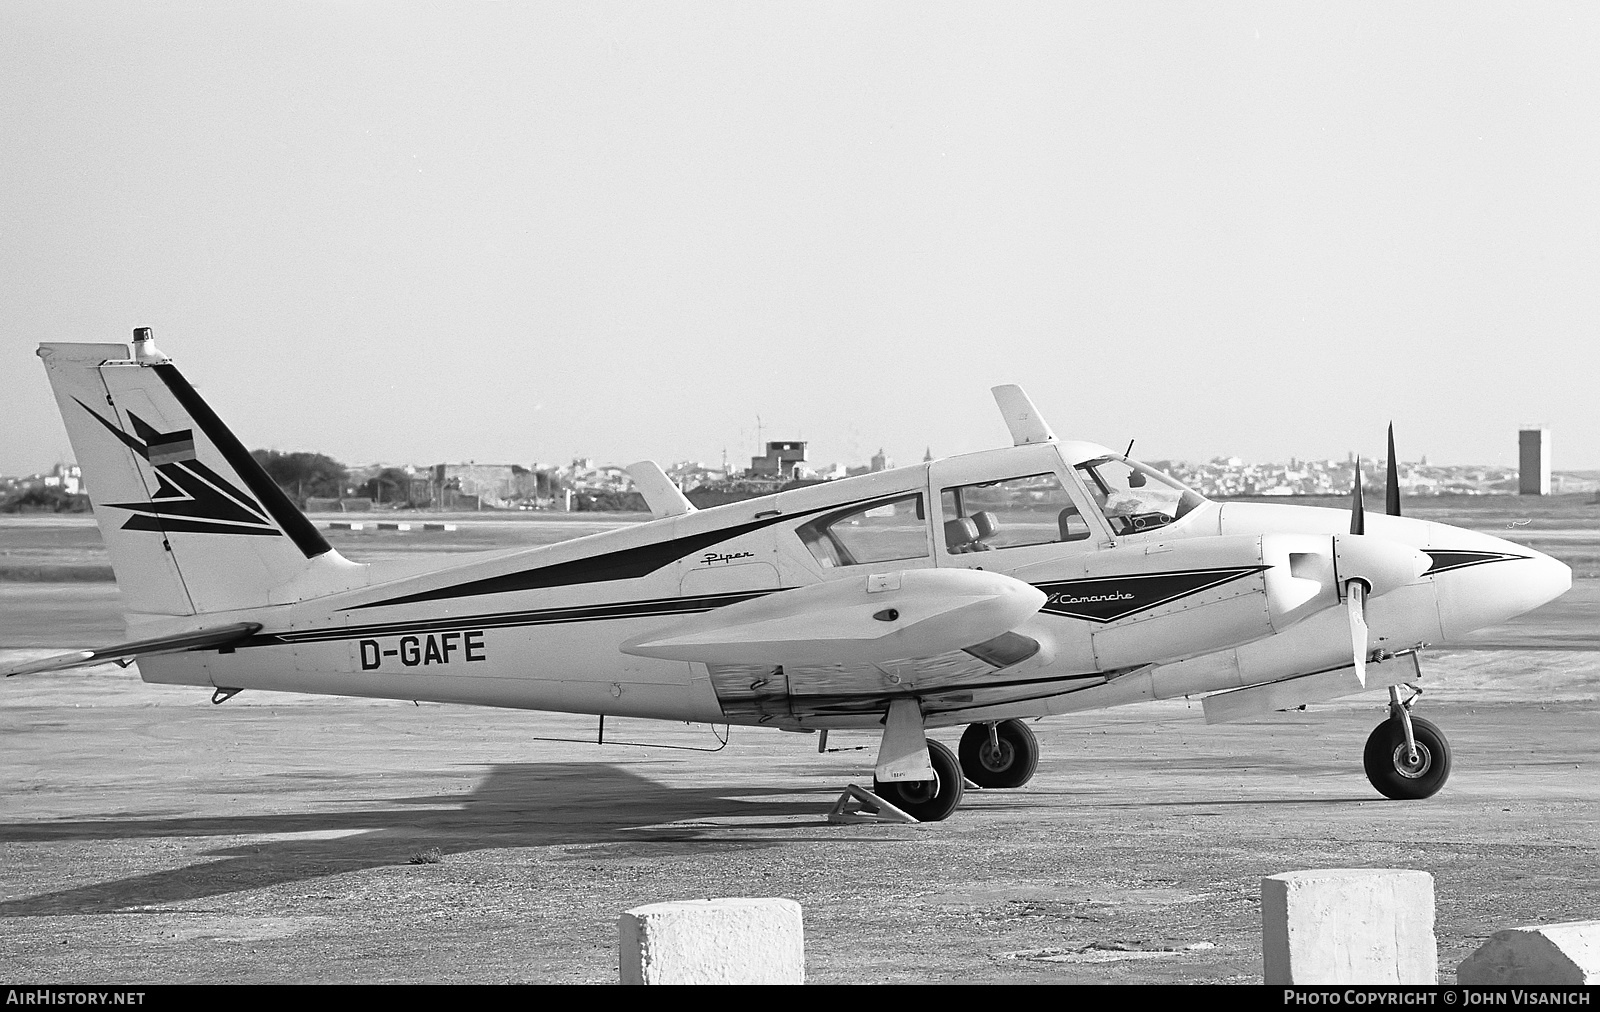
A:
{"x": 1356, "y": 609}
{"x": 1391, "y": 493}
{"x": 1358, "y": 513}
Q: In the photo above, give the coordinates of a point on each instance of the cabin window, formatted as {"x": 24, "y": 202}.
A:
{"x": 888, "y": 530}
{"x": 1133, "y": 496}
{"x": 1034, "y": 509}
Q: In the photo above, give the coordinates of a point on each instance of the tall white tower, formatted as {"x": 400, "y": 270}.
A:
{"x": 1533, "y": 457}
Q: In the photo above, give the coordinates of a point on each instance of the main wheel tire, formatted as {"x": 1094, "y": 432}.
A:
{"x": 1390, "y": 767}
{"x": 1011, "y": 765}
{"x": 927, "y": 800}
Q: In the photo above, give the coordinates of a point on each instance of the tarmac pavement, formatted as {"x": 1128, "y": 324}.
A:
{"x": 149, "y": 836}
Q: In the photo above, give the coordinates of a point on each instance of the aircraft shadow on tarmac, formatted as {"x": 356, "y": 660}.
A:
{"x": 516, "y": 805}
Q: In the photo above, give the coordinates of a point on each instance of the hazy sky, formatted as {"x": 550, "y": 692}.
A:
{"x": 519, "y": 232}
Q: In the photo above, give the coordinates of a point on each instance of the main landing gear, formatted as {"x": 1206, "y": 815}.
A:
{"x": 999, "y": 754}
{"x": 992, "y": 755}
{"x": 927, "y": 800}
{"x": 1407, "y": 758}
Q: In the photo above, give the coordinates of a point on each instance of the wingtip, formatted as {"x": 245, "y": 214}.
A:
{"x": 55, "y": 662}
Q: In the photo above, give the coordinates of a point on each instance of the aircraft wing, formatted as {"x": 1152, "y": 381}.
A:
{"x": 878, "y": 618}
{"x": 216, "y": 636}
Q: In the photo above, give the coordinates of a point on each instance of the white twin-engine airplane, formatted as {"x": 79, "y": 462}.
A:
{"x": 1046, "y": 577}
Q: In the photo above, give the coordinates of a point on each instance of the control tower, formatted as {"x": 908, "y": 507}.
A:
{"x": 1533, "y": 457}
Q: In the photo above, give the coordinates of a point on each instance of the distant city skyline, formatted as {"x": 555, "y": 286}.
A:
{"x": 501, "y": 485}
{"x": 589, "y": 461}
{"x": 530, "y": 232}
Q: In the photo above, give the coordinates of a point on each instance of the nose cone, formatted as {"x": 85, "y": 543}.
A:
{"x": 1482, "y": 580}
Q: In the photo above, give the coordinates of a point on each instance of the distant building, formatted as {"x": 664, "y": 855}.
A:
{"x": 1533, "y": 459}
{"x": 879, "y": 463}
{"x": 780, "y": 459}
{"x": 689, "y": 475}
{"x": 67, "y": 477}
{"x": 480, "y": 484}
{"x": 419, "y": 488}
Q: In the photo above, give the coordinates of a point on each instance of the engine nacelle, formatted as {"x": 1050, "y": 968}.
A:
{"x": 1152, "y": 603}
{"x": 1381, "y": 564}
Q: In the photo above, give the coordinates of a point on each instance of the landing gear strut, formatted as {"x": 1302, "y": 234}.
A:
{"x": 1407, "y": 758}
{"x": 927, "y": 800}
{"x": 1003, "y": 754}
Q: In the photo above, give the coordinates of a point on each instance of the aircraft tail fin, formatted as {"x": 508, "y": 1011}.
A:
{"x": 663, "y": 497}
{"x": 1022, "y": 418}
{"x": 192, "y": 523}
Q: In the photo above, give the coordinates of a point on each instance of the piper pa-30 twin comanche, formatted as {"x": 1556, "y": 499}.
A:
{"x": 1046, "y": 577}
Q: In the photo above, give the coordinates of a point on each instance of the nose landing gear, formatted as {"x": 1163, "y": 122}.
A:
{"x": 1406, "y": 758}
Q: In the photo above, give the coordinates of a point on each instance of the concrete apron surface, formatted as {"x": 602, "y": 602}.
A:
{"x": 148, "y": 836}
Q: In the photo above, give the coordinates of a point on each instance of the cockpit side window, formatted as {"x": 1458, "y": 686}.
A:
{"x": 1030, "y": 510}
{"x": 886, "y": 531}
{"x": 1133, "y": 497}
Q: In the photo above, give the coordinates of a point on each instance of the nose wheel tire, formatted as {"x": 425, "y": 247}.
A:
{"x": 1399, "y": 774}
{"x": 1009, "y": 761}
{"x": 927, "y": 800}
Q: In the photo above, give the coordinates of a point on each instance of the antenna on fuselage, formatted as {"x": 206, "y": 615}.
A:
{"x": 1136, "y": 478}
{"x": 1022, "y": 418}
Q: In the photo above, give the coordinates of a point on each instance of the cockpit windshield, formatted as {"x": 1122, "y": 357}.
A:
{"x": 1133, "y": 496}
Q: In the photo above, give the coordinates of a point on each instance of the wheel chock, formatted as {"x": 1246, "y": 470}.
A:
{"x": 857, "y": 806}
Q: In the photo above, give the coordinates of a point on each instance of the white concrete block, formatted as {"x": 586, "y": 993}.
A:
{"x": 1349, "y": 926}
{"x": 722, "y": 941}
{"x": 1567, "y": 953}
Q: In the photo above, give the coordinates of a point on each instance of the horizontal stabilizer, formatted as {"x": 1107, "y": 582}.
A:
{"x": 663, "y": 497}
{"x": 218, "y": 636}
{"x": 885, "y": 616}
